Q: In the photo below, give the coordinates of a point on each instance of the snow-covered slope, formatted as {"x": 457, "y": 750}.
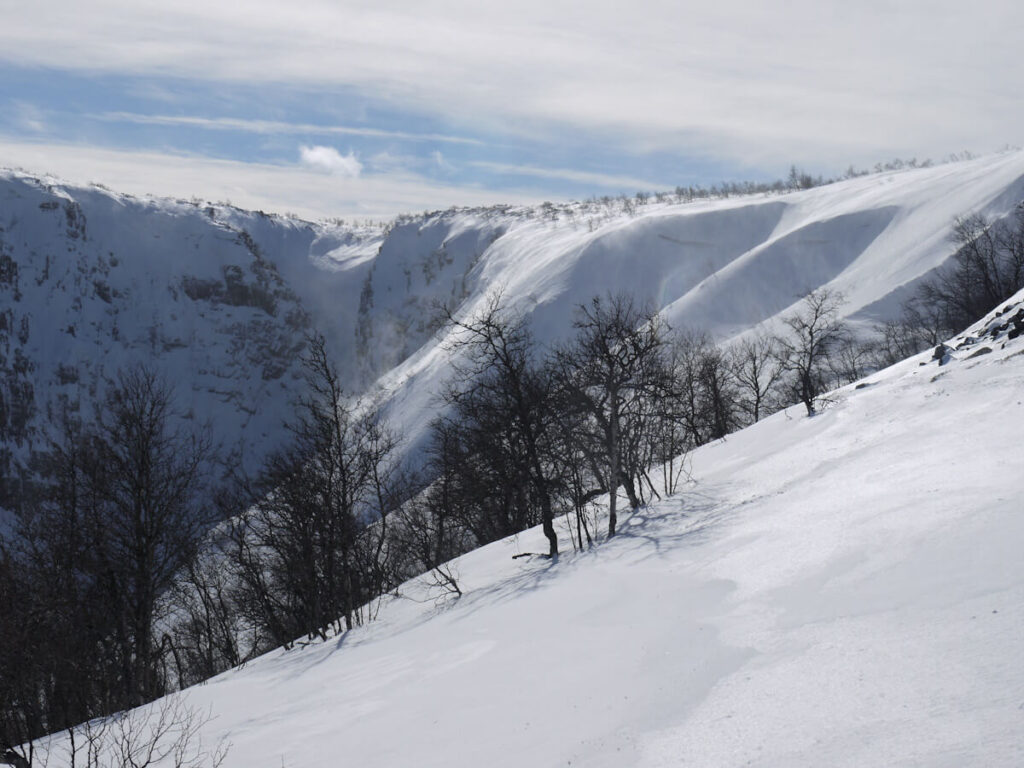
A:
{"x": 219, "y": 299}
{"x": 843, "y": 590}
{"x": 722, "y": 266}
{"x": 93, "y": 282}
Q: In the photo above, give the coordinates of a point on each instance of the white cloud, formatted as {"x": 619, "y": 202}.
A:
{"x": 807, "y": 80}
{"x": 279, "y": 188}
{"x": 440, "y": 161}
{"x": 330, "y": 160}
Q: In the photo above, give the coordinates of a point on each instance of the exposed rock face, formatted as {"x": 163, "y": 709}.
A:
{"x": 92, "y": 283}
{"x": 421, "y": 265}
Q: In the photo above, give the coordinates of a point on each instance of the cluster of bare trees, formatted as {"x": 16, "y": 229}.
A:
{"x": 306, "y": 545}
{"x": 135, "y": 568}
{"x": 138, "y": 565}
{"x": 117, "y": 514}
{"x": 531, "y": 435}
{"x": 987, "y": 269}
{"x": 167, "y": 734}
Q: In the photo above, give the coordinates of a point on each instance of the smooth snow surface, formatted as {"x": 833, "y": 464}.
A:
{"x": 843, "y": 590}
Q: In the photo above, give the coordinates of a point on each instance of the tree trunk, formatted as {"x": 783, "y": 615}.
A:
{"x": 549, "y": 531}
{"x": 631, "y": 494}
{"x": 615, "y": 472}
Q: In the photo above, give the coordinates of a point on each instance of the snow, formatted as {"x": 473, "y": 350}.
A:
{"x": 101, "y": 282}
{"x": 722, "y": 266}
{"x": 111, "y": 271}
{"x": 842, "y": 590}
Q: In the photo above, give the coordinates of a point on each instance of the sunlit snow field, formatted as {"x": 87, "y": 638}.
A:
{"x": 843, "y": 590}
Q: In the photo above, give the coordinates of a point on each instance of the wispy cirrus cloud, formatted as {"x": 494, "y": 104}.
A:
{"x": 278, "y": 127}
{"x": 606, "y": 180}
{"x": 28, "y": 116}
{"x": 531, "y": 93}
{"x": 738, "y": 78}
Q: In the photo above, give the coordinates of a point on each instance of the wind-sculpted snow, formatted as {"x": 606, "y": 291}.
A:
{"x": 220, "y": 299}
{"x": 722, "y": 266}
{"x": 659, "y": 258}
{"x": 767, "y": 279}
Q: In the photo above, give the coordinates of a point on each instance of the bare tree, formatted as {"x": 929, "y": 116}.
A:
{"x": 757, "y": 370}
{"x": 705, "y": 388}
{"x": 204, "y": 637}
{"x": 719, "y": 390}
{"x": 616, "y": 371}
{"x": 687, "y": 362}
{"x": 920, "y": 325}
{"x": 500, "y": 409}
{"x": 852, "y": 359}
{"x": 581, "y": 477}
{"x": 987, "y": 269}
{"x": 815, "y": 331}
{"x": 428, "y": 539}
{"x": 308, "y": 540}
{"x": 150, "y": 487}
{"x": 167, "y": 733}
{"x": 390, "y": 487}
{"x": 436, "y": 525}
{"x": 119, "y": 509}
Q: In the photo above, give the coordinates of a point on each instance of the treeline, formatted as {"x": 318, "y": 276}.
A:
{"x": 597, "y": 208}
{"x": 139, "y": 563}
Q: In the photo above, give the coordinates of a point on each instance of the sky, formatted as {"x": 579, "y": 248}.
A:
{"x": 362, "y": 110}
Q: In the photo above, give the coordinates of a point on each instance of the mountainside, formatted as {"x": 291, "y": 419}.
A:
{"x": 93, "y": 282}
{"x": 722, "y": 266}
{"x": 842, "y": 590}
{"x": 220, "y": 299}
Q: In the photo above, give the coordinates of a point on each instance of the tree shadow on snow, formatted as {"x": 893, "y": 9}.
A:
{"x": 686, "y": 520}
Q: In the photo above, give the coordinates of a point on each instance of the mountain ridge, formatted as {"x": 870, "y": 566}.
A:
{"x": 210, "y": 294}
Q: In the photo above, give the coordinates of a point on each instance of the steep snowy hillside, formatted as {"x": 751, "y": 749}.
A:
{"x": 722, "y": 266}
{"x": 843, "y": 590}
{"x": 92, "y": 282}
{"x": 220, "y": 299}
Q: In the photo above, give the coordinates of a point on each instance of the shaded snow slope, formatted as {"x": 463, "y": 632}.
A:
{"x": 843, "y": 590}
{"x": 217, "y": 299}
{"x": 220, "y": 299}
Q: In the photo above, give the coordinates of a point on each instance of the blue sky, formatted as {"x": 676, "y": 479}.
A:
{"x": 343, "y": 109}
